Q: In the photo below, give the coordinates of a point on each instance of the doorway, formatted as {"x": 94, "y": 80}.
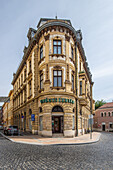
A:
{"x": 103, "y": 127}
{"x": 57, "y": 124}
{"x": 57, "y": 119}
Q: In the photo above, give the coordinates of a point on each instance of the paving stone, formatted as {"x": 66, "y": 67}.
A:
{"x": 97, "y": 156}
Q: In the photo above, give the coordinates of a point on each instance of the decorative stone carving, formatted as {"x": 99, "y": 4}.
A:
{"x": 47, "y": 37}
{"x": 57, "y": 67}
{"x": 67, "y": 37}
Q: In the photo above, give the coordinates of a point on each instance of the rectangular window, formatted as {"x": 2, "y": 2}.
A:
{"x": 30, "y": 66}
{"x": 57, "y": 78}
{"x": 80, "y": 87}
{"x": 24, "y": 74}
{"x": 25, "y": 95}
{"x": 41, "y": 81}
{"x": 40, "y": 123}
{"x": 72, "y": 82}
{"x": 71, "y": 52}
{"x": 112, "y": 113}
{"x": 57, "y": 48}
{"x": 21, "y": 78}
{"x": 30, "y": 89}
{"x": 22, "y": 97}
{"x": 41, "y": 52}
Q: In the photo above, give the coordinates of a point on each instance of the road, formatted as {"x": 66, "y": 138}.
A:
{"x": 66, "y": 157}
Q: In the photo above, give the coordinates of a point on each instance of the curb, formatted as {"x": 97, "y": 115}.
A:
{"x": 33, "y": 143}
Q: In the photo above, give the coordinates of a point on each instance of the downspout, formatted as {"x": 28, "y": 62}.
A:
{"x": 76, "y": 89}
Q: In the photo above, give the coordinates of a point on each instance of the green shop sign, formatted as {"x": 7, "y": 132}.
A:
{"x": 60, "y": 100}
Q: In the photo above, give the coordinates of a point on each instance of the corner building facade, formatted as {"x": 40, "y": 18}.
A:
{"x": 53, "y": 84}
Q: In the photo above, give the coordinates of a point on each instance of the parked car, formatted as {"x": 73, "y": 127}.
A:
{"x": 11, "y": 130}
{"x": 1, "y": 127}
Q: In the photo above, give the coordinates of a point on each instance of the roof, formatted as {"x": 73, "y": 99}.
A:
{"x": 44, "y": 20}
{"x": 107, "y": 105}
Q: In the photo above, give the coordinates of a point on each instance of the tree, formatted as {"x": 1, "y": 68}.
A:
{"x": 99, "y": 103}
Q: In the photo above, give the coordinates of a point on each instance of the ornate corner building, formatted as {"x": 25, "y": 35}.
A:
{"x": 52, "y": 88}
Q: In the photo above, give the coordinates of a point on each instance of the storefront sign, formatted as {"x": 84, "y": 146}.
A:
{"x": 60, "y": 100}
{"x": 33, "y": 117}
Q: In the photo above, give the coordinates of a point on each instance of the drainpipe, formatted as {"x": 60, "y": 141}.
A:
{"x": 76, "y": 88}
{"x": 91, "y": 109}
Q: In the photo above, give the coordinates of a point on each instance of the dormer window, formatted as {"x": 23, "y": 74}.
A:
{"x": 41, "y": 52}
{"x": 57, "y": 48}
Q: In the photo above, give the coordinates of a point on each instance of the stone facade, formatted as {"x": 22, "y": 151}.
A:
{"x": 52, "y": 88}
{"x": 8, "y": 110}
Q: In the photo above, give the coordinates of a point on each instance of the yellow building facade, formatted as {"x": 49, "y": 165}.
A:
{"x": 52, "y": 88}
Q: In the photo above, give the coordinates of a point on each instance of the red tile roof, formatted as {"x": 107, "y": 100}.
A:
{"x": 107, "y": 105}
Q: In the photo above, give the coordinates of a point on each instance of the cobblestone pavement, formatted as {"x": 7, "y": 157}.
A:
{"x": 65, "y": 157}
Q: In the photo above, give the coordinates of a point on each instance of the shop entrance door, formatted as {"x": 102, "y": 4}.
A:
{"x": 57, "y": 124}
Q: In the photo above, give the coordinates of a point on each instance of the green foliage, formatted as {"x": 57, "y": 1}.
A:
{"x": 99, "y": 103}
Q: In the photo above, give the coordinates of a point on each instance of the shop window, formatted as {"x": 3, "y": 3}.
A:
{"x": 101, "y": 114}
{"x": 57, "y": 78}
{"x": 80, "y": 87}
{"x": 57, "y": 109}
{"x": 41, "y": 81}
{"x": 41, "y": 52}
{"x": 72, "y": 82}
{"x": 73, "y": 126}
{"x": 40, "y": 123}
{"x": 57, "y": 47}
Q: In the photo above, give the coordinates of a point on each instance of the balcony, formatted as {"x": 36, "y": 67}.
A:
{"x": 83, "y": 101}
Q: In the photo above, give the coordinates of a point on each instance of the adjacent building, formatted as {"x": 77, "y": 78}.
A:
{"x": 103, "y": 118}
{"x": 52, "y": 88}
{"x": 1, "y": 115}
{"x": 8, "y": 110}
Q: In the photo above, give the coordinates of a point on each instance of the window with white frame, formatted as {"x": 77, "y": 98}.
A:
{"x": 57, "y": 47}
{"x": 57, "y": 78}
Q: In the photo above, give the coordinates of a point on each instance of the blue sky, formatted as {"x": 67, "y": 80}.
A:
{"x": 93, "y": 17}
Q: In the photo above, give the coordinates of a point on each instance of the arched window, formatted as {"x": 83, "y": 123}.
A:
{"x": 57, "y": 109}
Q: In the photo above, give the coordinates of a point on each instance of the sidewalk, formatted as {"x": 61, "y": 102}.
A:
{"x": 37, "y": 140}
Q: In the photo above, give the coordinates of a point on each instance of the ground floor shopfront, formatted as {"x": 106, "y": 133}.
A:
{"x": 50, "y": 115}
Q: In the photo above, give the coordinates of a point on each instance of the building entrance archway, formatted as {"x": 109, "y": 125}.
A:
{"x": 57, "y": 119}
